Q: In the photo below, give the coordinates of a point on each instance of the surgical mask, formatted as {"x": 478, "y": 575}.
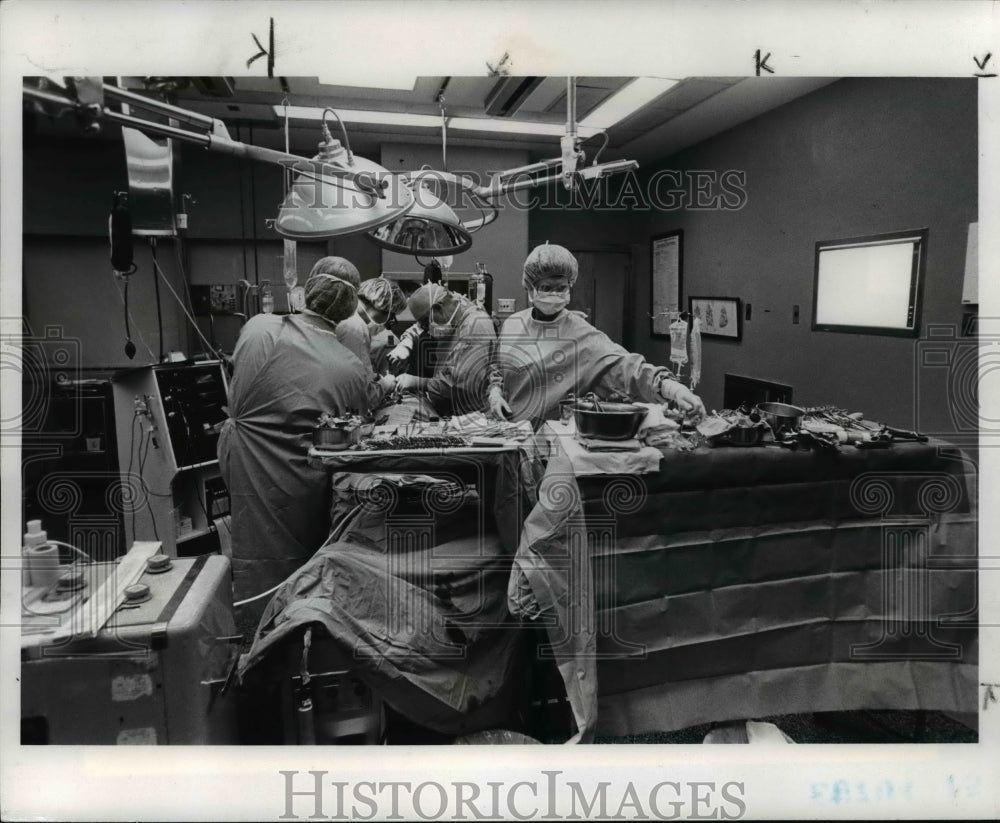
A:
{"x": 440, "y": 330}
{"x": 373, "y": 327}
{"x": 550, "y": 302}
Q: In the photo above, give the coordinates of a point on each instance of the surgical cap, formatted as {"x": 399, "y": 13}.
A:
{"x": 384, "y": 295}
{"x": 331, "y": 296}
{"x": 424, "y": 299}
{"x": 338, "y": 267}
{"x": 549, "y": 261}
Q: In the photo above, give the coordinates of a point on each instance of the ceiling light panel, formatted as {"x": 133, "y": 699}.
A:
{"x": 433, "y": 121}
{"x": 631, "y": 98}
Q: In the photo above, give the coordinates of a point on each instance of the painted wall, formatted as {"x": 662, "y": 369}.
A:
{"x": 859, "y": 157}
{"x": 68, "y": 284}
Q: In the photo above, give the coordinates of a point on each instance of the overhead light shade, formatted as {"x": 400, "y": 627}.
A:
{"x": 322, "y": 202}
{"x": 430, "y": 228}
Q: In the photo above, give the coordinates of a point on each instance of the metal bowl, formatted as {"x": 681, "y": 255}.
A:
{"x": 781, "y": 416}
{"x": 340, "y": 437}
{"x": 613, "y": 421}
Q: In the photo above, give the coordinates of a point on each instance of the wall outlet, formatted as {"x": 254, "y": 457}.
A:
{"x": 505, "y": 304}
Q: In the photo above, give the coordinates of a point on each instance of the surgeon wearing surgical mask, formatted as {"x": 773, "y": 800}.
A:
{"x": 379, "y": 301}
{"x": 352, "y": 332}
{"x": 467, "y": 339}
{"x": 548, "y": 352}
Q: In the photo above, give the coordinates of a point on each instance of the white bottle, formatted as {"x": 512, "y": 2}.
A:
{"x": 266, "y": 299}
{"x": 41, "y": 559}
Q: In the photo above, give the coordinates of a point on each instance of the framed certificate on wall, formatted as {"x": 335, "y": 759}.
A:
{"x": 666, "y": 262}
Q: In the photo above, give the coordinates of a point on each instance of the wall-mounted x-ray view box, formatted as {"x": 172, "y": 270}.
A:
{"x": 870, "y": 285}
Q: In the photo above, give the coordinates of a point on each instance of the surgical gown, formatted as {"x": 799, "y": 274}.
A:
{"x": 288, "y": 370}
{"x": 461, "y": 376}
{"x": 542, "y": 361}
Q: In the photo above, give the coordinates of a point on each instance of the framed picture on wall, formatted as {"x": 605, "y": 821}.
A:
{"x": 720, "y": 316}
{"x": 666, "y": 260}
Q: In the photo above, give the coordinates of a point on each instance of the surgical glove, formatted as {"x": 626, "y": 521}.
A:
{"x": 498, "y": 406}
{"x": 407, "y": 383}
{"x": 685, "y": 399}
{"x": 387, "y": 383}
{"x": 400, "y": 354}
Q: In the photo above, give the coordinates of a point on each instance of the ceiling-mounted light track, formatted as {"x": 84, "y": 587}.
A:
{"x": 336, "y": 193}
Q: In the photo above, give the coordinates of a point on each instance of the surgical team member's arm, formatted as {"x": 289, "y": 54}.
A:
{"x": 495, "y": 401}
{"x": 405, "y": 346}
{"x": 631, "y": 374}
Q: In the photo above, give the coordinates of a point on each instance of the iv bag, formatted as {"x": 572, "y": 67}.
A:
{"x": 695, "y": 352}
{"x": 678, "y": 342}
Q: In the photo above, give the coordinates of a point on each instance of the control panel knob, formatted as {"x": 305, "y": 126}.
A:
{"x": 158, "y": 563}
{"x": 70, "y": 580}
{"x": 137, "y": 593}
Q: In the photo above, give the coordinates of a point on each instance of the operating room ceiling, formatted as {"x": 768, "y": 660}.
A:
{"x": 692, "y": 110}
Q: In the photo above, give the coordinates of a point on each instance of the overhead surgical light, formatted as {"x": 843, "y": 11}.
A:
{"x": 431, "y": 227}
{"x": 341, "y": 194}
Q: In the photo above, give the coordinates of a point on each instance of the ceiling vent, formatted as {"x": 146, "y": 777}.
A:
{"x": 215, "y": 86}
{"x": 509, "y": 94}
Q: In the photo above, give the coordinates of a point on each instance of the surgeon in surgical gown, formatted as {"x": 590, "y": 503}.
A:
{"x": 288, "y": 370}
{"x": 547, "y": 352}
{"x": 468, "y": 343}
{"x": 354, "y": 331}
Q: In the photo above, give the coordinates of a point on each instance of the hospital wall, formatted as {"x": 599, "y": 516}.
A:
{"x": 858, "y": 157}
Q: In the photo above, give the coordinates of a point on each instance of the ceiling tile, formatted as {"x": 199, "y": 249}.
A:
{"x": 608, "y": 83}
{"x": 689, "y": 92}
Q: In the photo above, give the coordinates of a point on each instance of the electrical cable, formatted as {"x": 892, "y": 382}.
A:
{"x": 71, "y": 546}
{"x": 209, "y": 523}
{"x": 180, "y": 302}
{"x": 142, "y": 469}
{"x": 128, "y": 315}
{"x": 239, "y": 603}
{"x": 444, "y": 134}
{"x": 343, "y": 131}
{"x": 156, "y": 284}
{"x": 131, "y": 455}
{"x": 604, "y": 145}
{"x": 246, "y": 294}
{"x": 179, "y": 253}
{"x": 334, "y": 536}
{"x": 128, "y": 330}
